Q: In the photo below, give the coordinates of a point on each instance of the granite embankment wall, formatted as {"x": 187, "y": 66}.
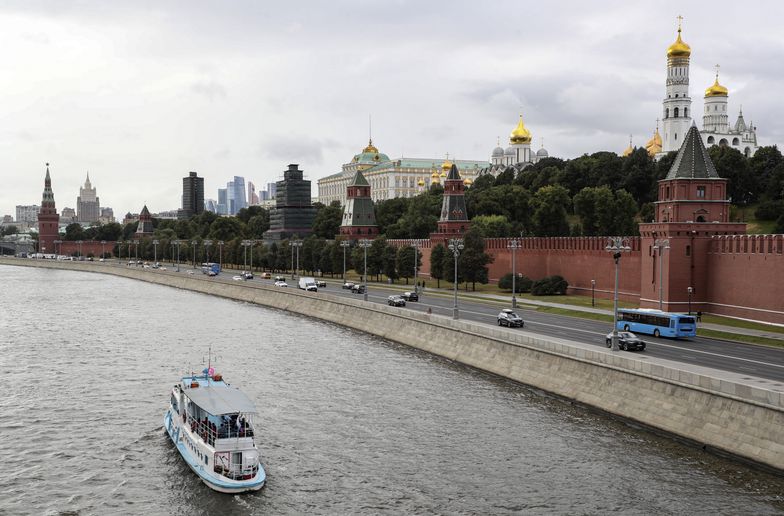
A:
{"x": 706, "y": 406}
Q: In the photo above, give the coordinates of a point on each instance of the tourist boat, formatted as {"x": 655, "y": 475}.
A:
{"x": 211, "y": 424}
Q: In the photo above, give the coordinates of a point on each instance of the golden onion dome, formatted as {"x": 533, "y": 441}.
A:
{"x": 443, "y": 174}
{"x": 370, "y": 147}
{"x": 434, "y": 175}
{"x": 421, "y": 182}
{"x": 467, "y": 182}
{"x": 446, "y": 166}
{"x": 717, "y": 90}
{"x": 629, "y": 149}
{"x": 679, "y": 48}
{"x": 520, "y": 133}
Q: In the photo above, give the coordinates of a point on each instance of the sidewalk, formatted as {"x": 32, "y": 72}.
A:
{"x": 575, "y": 308}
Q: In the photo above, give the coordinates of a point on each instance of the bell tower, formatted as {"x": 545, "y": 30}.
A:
{"x": 676, "y": 106}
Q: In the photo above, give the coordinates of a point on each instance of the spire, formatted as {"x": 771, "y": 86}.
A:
{"x": 48, "y": 180}
{"x": 454, "y": 175}
{"x": 692, "y": 161}
{"x": 359, "y": 180}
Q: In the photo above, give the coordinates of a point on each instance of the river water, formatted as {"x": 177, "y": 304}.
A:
{"x": 350, "y": 423}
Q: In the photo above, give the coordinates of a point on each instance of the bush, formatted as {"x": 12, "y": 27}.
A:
{"x": 522, "y": 283}
{"x": 769, "y": 210}
{"x": 551, "y": 285}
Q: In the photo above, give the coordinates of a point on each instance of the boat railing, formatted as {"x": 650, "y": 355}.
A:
{"x": 237, "y": 472}
{"x": 210, "y": 431}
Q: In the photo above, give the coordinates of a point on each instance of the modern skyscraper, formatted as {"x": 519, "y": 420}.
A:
{"x": 48, "y": 219}
{"x": 192, "y": 196}
{"x": 27, "y": 213}
{"x": 211, "y": 205}
{"x": 271, "y": 190}
{"x": 223, "y": 201}
{"x": 236, "y": 193}
{"x": 87, "y": 204}
{"x": 252, "y": 197}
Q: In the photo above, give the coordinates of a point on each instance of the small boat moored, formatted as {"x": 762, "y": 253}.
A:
{"x": 211, "y": 424}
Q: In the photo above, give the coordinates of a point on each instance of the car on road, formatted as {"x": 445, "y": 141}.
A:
{"x": 396, "y": 301}
{"x": 510, "y": 319}
{"x": 247, "y": 274}
{"x": 237, "y": 278}
{"x": 266, "y": 275}
{"x": 410, "y": 296}
{"x": 627, "y": 341}
{"x": 348, "y": 285}
{"x": 101, "y": 260}
{"x": 281, "y": 283}
{"x": 280, "y": 278}
{"x": 358, "y": 289}
{"x": 321, "y": 283}
{"x": 211, "y": 273}
{"x": 190, "y": 272}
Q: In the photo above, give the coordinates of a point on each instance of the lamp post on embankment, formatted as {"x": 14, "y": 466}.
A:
{"x": 617, "y": 246}
{"x": 513, "y": 245}
{"x": 345, "y": 244}
{"x": 456, "y": 245}
{"x": 365, "y": 243}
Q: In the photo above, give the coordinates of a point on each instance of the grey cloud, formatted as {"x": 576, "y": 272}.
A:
{"x": 293, "y": 149}
{"x": 211, "y": 90}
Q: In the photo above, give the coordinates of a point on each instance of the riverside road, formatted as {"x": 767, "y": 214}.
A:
{"x": 753, "y": 361}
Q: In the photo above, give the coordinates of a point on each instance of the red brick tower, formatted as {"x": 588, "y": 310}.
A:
{"x": 48, "y": 219}
{"x": 454, "y": 216}
{"x": 692, "y": 207}
{"x": 144, "y": 228}
{"x": 359, "y": 216}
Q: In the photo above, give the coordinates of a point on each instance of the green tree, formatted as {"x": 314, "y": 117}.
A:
{"x": 421, "y": 217}
{"x": 492, "y": 226}
{"x": 226, "y": 228}
{"x": 521, "y": 283}
{"x": 742, "y": 187}
{"x": 257, "y": 225}
{"x": 376, "y": 257}
{"x": 437, "y": 256}
{"x": 109, "y": 232}
{"x": 550, "y": 211}
{"x": 245, "y": 214}
{"x": 405, "y": 262}
{"x": 9, "y": 230}
{"x": 473, "y": 259}
{"x": 327, "y": 221}
{"x": 389, "y": 211}
{"x": 390, "y": 268}
{"x": 74, "y": 231}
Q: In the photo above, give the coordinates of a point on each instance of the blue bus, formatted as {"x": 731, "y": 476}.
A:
{"x": 657, "y": 323}
{"x": 210, "y": 269}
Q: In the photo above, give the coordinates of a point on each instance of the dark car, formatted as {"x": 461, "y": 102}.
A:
{"x": 510, "y": 319}
{"x": 247, "y": 274}
{"x": 348, "y": 285}
{"x": 396, "y": 301}
{"x": 321, "y": 284}
{"x": 627, "y": 341}
{"x": 358, "y": 289}
{"x": 410, "y": 296}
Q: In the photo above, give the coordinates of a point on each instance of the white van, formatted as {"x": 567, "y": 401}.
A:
{"x": 308, "y": 284}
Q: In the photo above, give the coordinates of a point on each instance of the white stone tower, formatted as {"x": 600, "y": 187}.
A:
{"x": 677, "y": 103}
{"x": 715, "y": 118}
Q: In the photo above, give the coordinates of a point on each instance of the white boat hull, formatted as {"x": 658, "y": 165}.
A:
{"x": 213, "y": 481}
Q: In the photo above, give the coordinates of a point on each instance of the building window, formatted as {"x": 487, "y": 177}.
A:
{"x": 676, "y": 136}
{"x": 735, "y": 142}
{"x": 686, "y": 112}
{"x": 700, "y": 192}
{"x": 711, "y": 140}
{"x": 667, "y": 193}
{"x": 675, "y": 112}
{"x": 667, "y": 113}
{"x": 688, "y": 250}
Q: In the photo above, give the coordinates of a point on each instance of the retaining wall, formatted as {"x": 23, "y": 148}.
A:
{"x": 706, "y": 406}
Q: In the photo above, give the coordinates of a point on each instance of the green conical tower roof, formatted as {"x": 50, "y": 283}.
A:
{"x": 692, "y": 161}
{"x": 359, "y": 180}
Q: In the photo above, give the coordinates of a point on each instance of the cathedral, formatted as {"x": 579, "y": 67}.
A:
{"x": 517, "y": 155}
{"x": 677, "y": 112}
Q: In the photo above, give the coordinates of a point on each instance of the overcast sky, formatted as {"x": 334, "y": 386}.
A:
{"x": 138, "y": 93}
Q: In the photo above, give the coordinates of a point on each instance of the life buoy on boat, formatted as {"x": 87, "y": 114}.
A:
{"x": 217, "y": 377}
{"x": 194, "y": 385}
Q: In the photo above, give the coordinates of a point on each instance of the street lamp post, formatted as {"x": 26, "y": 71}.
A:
{"x": 136, "y": 250}
{"x": 514, "y": 245}
{"x": 593, "y": 292}
{"x": 690, "y": 290}
{"x": 79, "y": 242}
{"x": 365, "y": 243}
{"x": 252, "y": 243}
{"x": 617, "y": 246}
{"x": 155, "y": 251}
{"x": 177, "y": 243}
{"x": 344, "y": 244}
{"x": 416, "y": 245}
{"x": 245, "y": 244}
{"x": 103, "y": 248}
{"x": 291, "y": 252}
{"x": 119, "y": 252}
{"x": 57, "y": 243}
{"x": 661, "y": 245}
{"x": 456, "y": 245}
{"x": 194, "y": 243}
{"x": 207, "y": 244}
{"x": 220, "y": 255}
{"x": 297, "y": 244}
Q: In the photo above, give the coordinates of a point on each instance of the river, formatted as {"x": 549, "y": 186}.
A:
{"x": 349, "y": 424}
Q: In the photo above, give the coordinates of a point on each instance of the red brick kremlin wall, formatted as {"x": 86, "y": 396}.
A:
{"x": 744, "y": 273}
